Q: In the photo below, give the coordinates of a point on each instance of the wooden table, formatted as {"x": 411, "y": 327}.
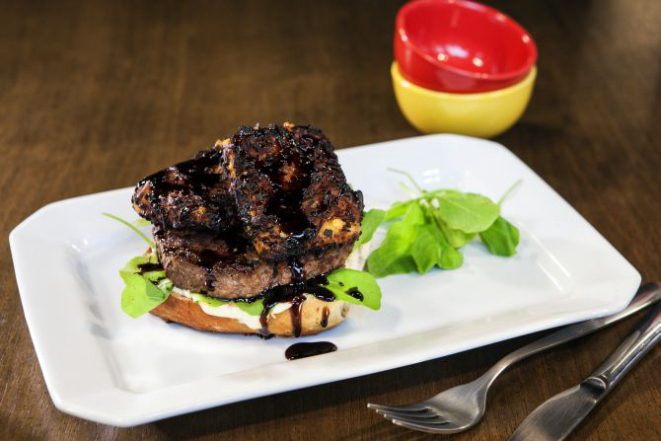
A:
{"x": 93, "y": 95}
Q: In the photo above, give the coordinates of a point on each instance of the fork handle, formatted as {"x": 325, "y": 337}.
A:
{"x": 647, "y": 294}
{"x": 644, "y": 337}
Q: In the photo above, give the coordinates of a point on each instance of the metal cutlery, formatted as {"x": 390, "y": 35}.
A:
{"x": 461, "y": 407}
{"x": 557, "y": 417}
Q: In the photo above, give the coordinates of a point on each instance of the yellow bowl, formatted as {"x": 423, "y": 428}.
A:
{"x": 484, "y": 114}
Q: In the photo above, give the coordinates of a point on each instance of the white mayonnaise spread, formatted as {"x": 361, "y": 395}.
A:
{"x": 356, "y": 260}
{"x": 230, "y": 310}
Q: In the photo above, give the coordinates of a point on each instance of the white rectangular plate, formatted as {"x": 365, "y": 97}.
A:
{"x": 101, "y": 365}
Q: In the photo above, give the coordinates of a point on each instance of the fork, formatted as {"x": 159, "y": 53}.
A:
{"x": 462, "y": 407}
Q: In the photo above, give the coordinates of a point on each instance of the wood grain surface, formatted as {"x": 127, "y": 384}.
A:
{"x": 94, "y": 95}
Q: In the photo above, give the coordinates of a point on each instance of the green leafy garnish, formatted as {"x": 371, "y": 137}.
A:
{"x": 343, "y": 281}
{"x": 142, "y": 292}
{"x": 211, "y": 301}
{"x": 252, "y": 308}
{"x": 501, "y": 238}
{"x": 426, "y": 250}
{"x": 466, "y": 212}
{"x": 140, "y": 222}
{"x": 398, "y": 209}
{"x": 394, "y": 254}
{"x": 371, "y": 221}
{"x": 428, "y": 231}
{"x": 456, "y": 238}
{"x": 450, "y": 258}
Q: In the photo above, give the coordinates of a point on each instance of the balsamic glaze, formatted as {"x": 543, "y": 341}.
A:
{"x": 295, "y": 312}
{"x": 193, "y": 184}
{"x": 302, "y": 350}
{"x": 294, "y": 293}
{"x": 286, "y": 206}
{"x": 149, "y": 267}
{"x": 314, "y": 287}
{"x": 210, "y": 280}
{"x": 263, "y": 320}
{"x": 193, "y": 172}
{"x": 290, "y": 171}
{"x": 207, "y": 260}
{"x": 324, "y": 317}
{"x": 355, "y": 293}
{"x": 297, "y": 270}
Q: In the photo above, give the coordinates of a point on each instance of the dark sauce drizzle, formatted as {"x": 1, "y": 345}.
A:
{"x": 355, "y": 293}
{"x": 295, "y": 312}
{"x": 194, "y": 173}
{"x": 285, "y": 203}
{"x": 199, "y": 176}
{"x": 207, "y": 260}
{"x": 302, "y": 350}
{"x": 294, "y": 293}
{"x": 148, "y": 267}
{"x": 324, "y": 317}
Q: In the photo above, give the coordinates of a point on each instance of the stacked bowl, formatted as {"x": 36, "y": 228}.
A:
{"x": 461, "y": 67}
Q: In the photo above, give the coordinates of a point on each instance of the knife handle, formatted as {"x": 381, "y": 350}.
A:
{"x": 644, "y": 337}
{"x": 646, "y": 295}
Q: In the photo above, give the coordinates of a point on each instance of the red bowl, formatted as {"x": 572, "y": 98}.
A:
{"x": 460, "y": 46}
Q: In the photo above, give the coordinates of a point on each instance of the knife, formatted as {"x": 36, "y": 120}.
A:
{"x": 558, "y": 416}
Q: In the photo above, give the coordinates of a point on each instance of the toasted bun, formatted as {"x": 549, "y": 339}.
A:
{"x": 316, "y": 316}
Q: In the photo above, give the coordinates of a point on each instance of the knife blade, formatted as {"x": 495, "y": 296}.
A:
{"x": 558, "y": 416}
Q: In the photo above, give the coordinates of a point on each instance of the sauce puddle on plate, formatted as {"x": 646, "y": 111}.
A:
{"x": 302, "y": 350}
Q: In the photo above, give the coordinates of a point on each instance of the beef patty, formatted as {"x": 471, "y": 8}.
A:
{"x": 225, "y": 265}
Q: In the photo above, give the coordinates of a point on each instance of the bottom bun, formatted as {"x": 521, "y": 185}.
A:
{"x": 315, "y": 316}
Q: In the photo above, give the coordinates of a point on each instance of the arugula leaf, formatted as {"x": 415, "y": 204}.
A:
{"x": 429, "y": 230}
{"x": 426, "y": 250}
{"x": 449, "y": 258}
{"x": 398, "y": 209}
{"x": 501, "y": 238}
{"x": 252, "y": 308}
{"x": 141, "y": 222}
{"x": 371, "y": 221}
{"x": 211, "y": 301}
{"x": 342, "y": 280}
{"x": 165, "y": 285}
{"x": 456, "y": 238}
{"x": 133, "y": 265}
{"x": 393, "y": 256}
{"x": 468, "y": 212}
{"x": 141, "y": 295}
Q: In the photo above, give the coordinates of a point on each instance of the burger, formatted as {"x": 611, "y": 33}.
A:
{"x": 261, "y": 234}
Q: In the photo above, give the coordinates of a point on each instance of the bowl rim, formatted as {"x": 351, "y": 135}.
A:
{"x": 400, "y": 79}
{"x": 401, "y": 31}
